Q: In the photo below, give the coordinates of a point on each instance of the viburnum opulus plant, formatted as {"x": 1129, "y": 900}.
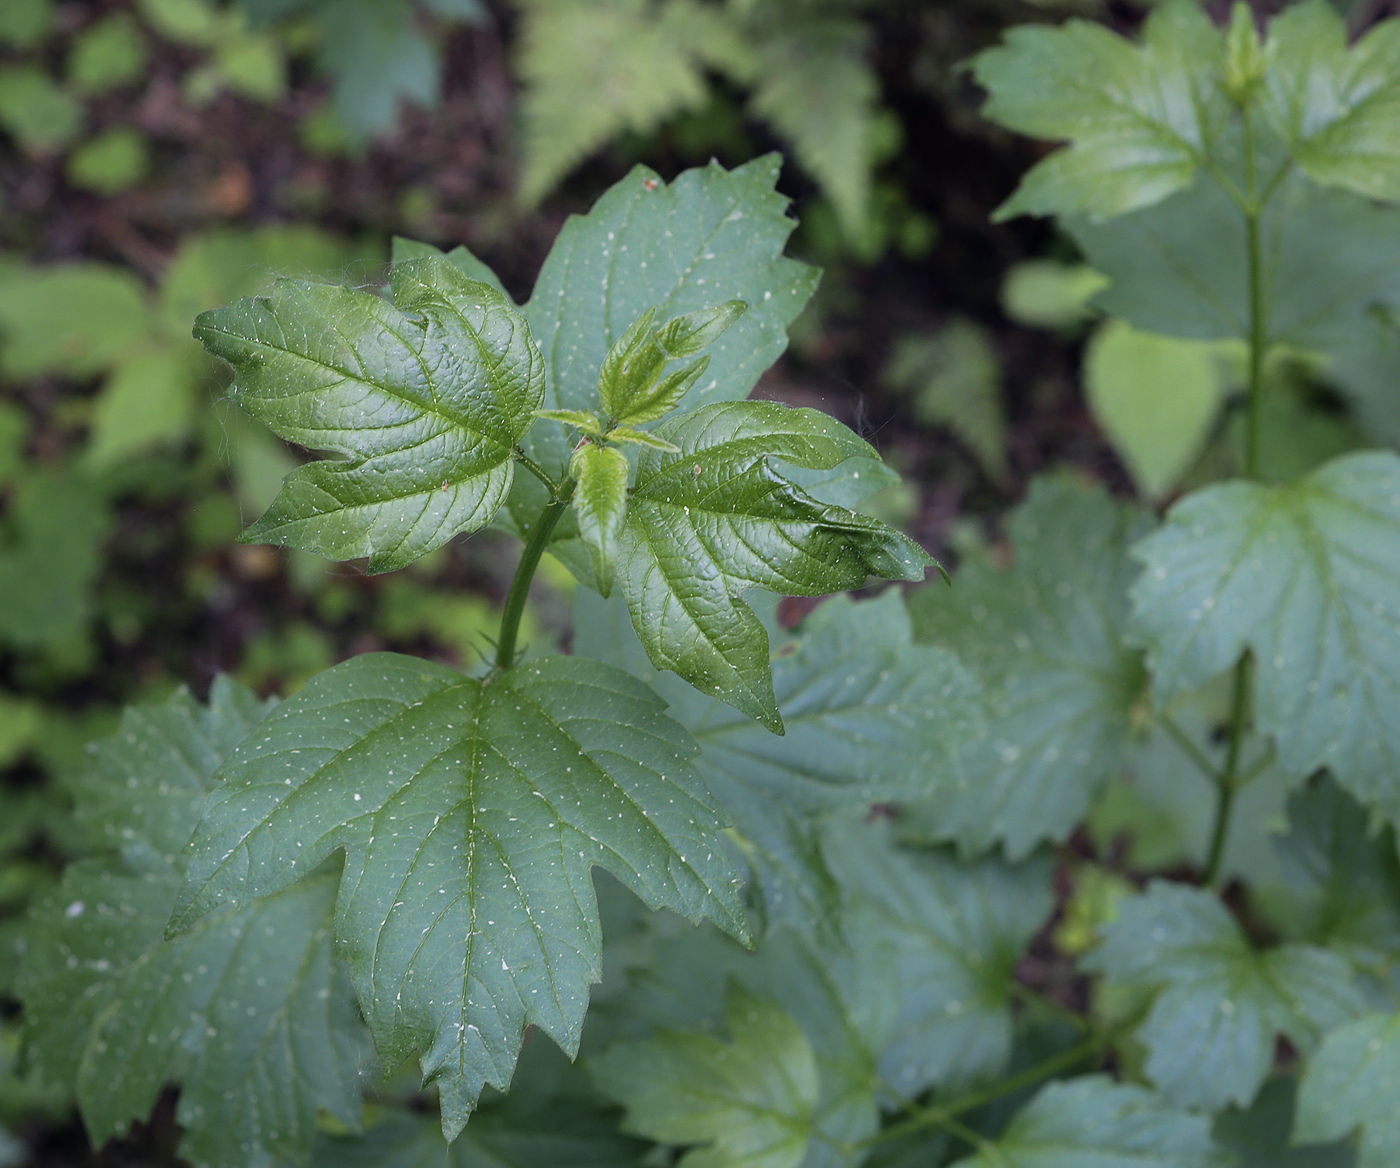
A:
{"x": 286, "y": 903}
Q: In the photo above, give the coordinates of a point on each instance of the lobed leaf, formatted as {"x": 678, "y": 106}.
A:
{"x": 1307, "y": 577}
{"x": 750, "y": 1100}
{"x": 869, "y": 718}
{"x": 426, "y": 397}
{"x": 1140, "y": 119}
{"x": 1343, "y": 875}
{"x": 715, "y": 519}
{"x": 470, "y": 813}
{"x": 1349, "y": 1084}
{"x": 1337, "y": 107}
{"x": 957, "y": 932}
{"x": 1219, "y": 1003}
{"x": 1075, "y": 1123}
{"x": 1046, "y": 640}
{"x": 710, "y": 237}
{"x": 248, "y": 1012}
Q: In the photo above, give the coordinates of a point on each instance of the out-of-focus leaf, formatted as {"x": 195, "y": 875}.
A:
{"x": 1138, "y": 117}
{"x": 954, "y": 379}
{"x": 1347, "y": 1085}
{"x": 76, "y": 319}
{"x": 1337, "y": 107}
{"x": 1156, "y": 397}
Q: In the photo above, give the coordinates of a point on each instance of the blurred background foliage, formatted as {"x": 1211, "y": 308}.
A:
{"x": 158, "y": 157}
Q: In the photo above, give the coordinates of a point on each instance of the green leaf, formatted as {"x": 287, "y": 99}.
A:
{"x": 1349, "y": 1084}
{"x": 1343, "y": 874}
{"x": 815, "y": 85}
{"x": 630, "y": 383}
{"x": 470, "y": 813}
{"x": 214, "y": 267}
{"x": 1156, "y": 397}
{"x": 459, "y": 257}
{"x": 1045, "y": 638}
{"x": 1049, "y": 294}
{"x": 626, "y": 436}
{"x": 600, "y": 502}
{"x": 377, "y": 57}
{"x": 36, "y": 111}
{"x": 869, "y": 718}
{"x": 24, "y": 23}
{"x": 1306, "y": 576}
{"x": 593, "y": 69}
{"x": 722, "y": 233}
{"x": 579, "y": 419}
{"x": 1337, "y": 108}
{"x": 248, "y": 1012}
{"x": 147, "y": 400}
{"x": 955, "y": 379}
{"x": 1181, "y": 268}
{"x": 107, "y": 55}
{"x": 1219, "y": 1003}
{"x": 114, "y": 161}
{"x": 1075, "y": 1123}
{"x": 75, "y": 319}
{"x": 957, "y": 931}
{"x": 58, "y": 522}
{"x": 1259, "y": 1137}
{"x": 415, "y": 1141}
{"x": 716, "y": 519}
{"x": 1139, "y": 118}
{"x": 838, "y": 988}
{"x": 426, "y": 397}
{"x": 750, "y": 1100}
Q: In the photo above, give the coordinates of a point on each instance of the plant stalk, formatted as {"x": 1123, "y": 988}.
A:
{"x": 945, "y": 1117}
{"x": 525, "y": 573}
{"x": 1229, "y": 779}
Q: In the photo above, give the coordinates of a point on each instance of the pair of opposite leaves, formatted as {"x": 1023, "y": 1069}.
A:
{"x": 429, "y": 397}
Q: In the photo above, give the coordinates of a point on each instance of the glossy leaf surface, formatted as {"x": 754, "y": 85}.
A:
{"x": 717, "y": 518}
{"x": 1307, "y": 577}
{"x": 600, "y": 502}
{"x": 424, "y": 398}
{"x": 471, "y": 814}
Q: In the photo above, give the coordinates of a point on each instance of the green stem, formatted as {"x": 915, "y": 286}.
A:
{"x": 537, "y": 470}
{"x": 945, "y": 1117}
{"x": 525, "y": 572}
{"x": 1228, "y": 782}
{"x": 1189, "y": 748}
